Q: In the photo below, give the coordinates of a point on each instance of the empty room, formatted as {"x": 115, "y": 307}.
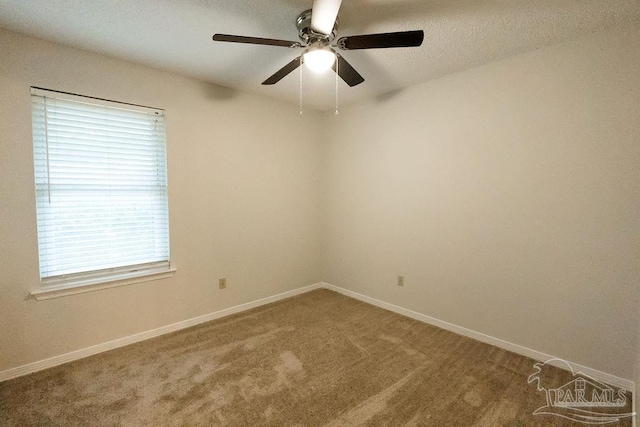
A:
{"x": 319, "y": 212}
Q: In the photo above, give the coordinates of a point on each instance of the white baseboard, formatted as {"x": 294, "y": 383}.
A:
{"x": 515, "y": 348}
{"x": 121, "y": 342}
{"x": 40, "y": 365}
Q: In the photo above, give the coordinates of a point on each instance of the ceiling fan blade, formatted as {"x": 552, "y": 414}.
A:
{"x": 347, "y": 72}
{"x": 254, "y": 40}
{"x": 383, "y": 40}
{"x": 324, "y": 14}
{"x": 282, "y": 72}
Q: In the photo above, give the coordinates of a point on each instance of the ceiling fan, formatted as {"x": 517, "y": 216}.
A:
{"x": 317, "y": 31}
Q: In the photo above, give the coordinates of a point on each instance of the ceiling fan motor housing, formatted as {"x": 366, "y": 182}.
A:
{"x": 307, "y": 35}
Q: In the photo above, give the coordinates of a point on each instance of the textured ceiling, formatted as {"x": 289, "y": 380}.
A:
{"x": 176, "y": 35}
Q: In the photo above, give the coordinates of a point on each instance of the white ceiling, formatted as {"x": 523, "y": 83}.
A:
{"x": 176, "y": 35}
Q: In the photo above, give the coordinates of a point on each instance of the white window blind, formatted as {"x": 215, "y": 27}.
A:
{"x": 101, "y": 185}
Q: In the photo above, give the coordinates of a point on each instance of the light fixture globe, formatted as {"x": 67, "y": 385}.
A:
{"x": 319, "y": 59}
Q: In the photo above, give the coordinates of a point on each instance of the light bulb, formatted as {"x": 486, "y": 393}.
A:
{"x": 319, "y": 60}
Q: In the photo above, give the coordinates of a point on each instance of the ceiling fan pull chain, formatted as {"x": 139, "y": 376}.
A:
{"x": 337, "y": 65}
{"x": 301, "y": 85}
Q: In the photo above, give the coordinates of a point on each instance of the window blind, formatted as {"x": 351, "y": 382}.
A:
{"x": 101, "y": 184}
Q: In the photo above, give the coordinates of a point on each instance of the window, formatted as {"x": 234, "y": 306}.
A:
{"x": 101, "y": 190}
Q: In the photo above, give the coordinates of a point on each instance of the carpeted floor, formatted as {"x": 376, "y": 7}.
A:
{"x": 316, "y": 359}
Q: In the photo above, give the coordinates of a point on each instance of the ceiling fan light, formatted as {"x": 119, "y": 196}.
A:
{"x": 319, "y": 60}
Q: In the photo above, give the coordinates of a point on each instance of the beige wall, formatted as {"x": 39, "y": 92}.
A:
{"x": 244, "y": 201}
{"x": 507, "y": 195}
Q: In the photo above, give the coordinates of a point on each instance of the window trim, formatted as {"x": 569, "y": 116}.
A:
{"x": 62, "y": 286}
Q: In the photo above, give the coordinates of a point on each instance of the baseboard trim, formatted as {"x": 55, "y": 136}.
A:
{"x": 40, "y": 365}
{"x": 506, "y": 345}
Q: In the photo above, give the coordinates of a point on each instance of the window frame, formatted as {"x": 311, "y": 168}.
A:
{"x": 87, "y": 281}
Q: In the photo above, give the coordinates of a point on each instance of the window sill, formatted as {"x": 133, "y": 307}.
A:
{"x": 66, "y": 288}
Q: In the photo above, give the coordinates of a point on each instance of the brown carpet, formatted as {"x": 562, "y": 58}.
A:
{"x": 316, "y": 359}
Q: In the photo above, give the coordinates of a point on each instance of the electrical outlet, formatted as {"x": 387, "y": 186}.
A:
{"x": 222, "y": 283}
{"x": 400, "y": 280}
